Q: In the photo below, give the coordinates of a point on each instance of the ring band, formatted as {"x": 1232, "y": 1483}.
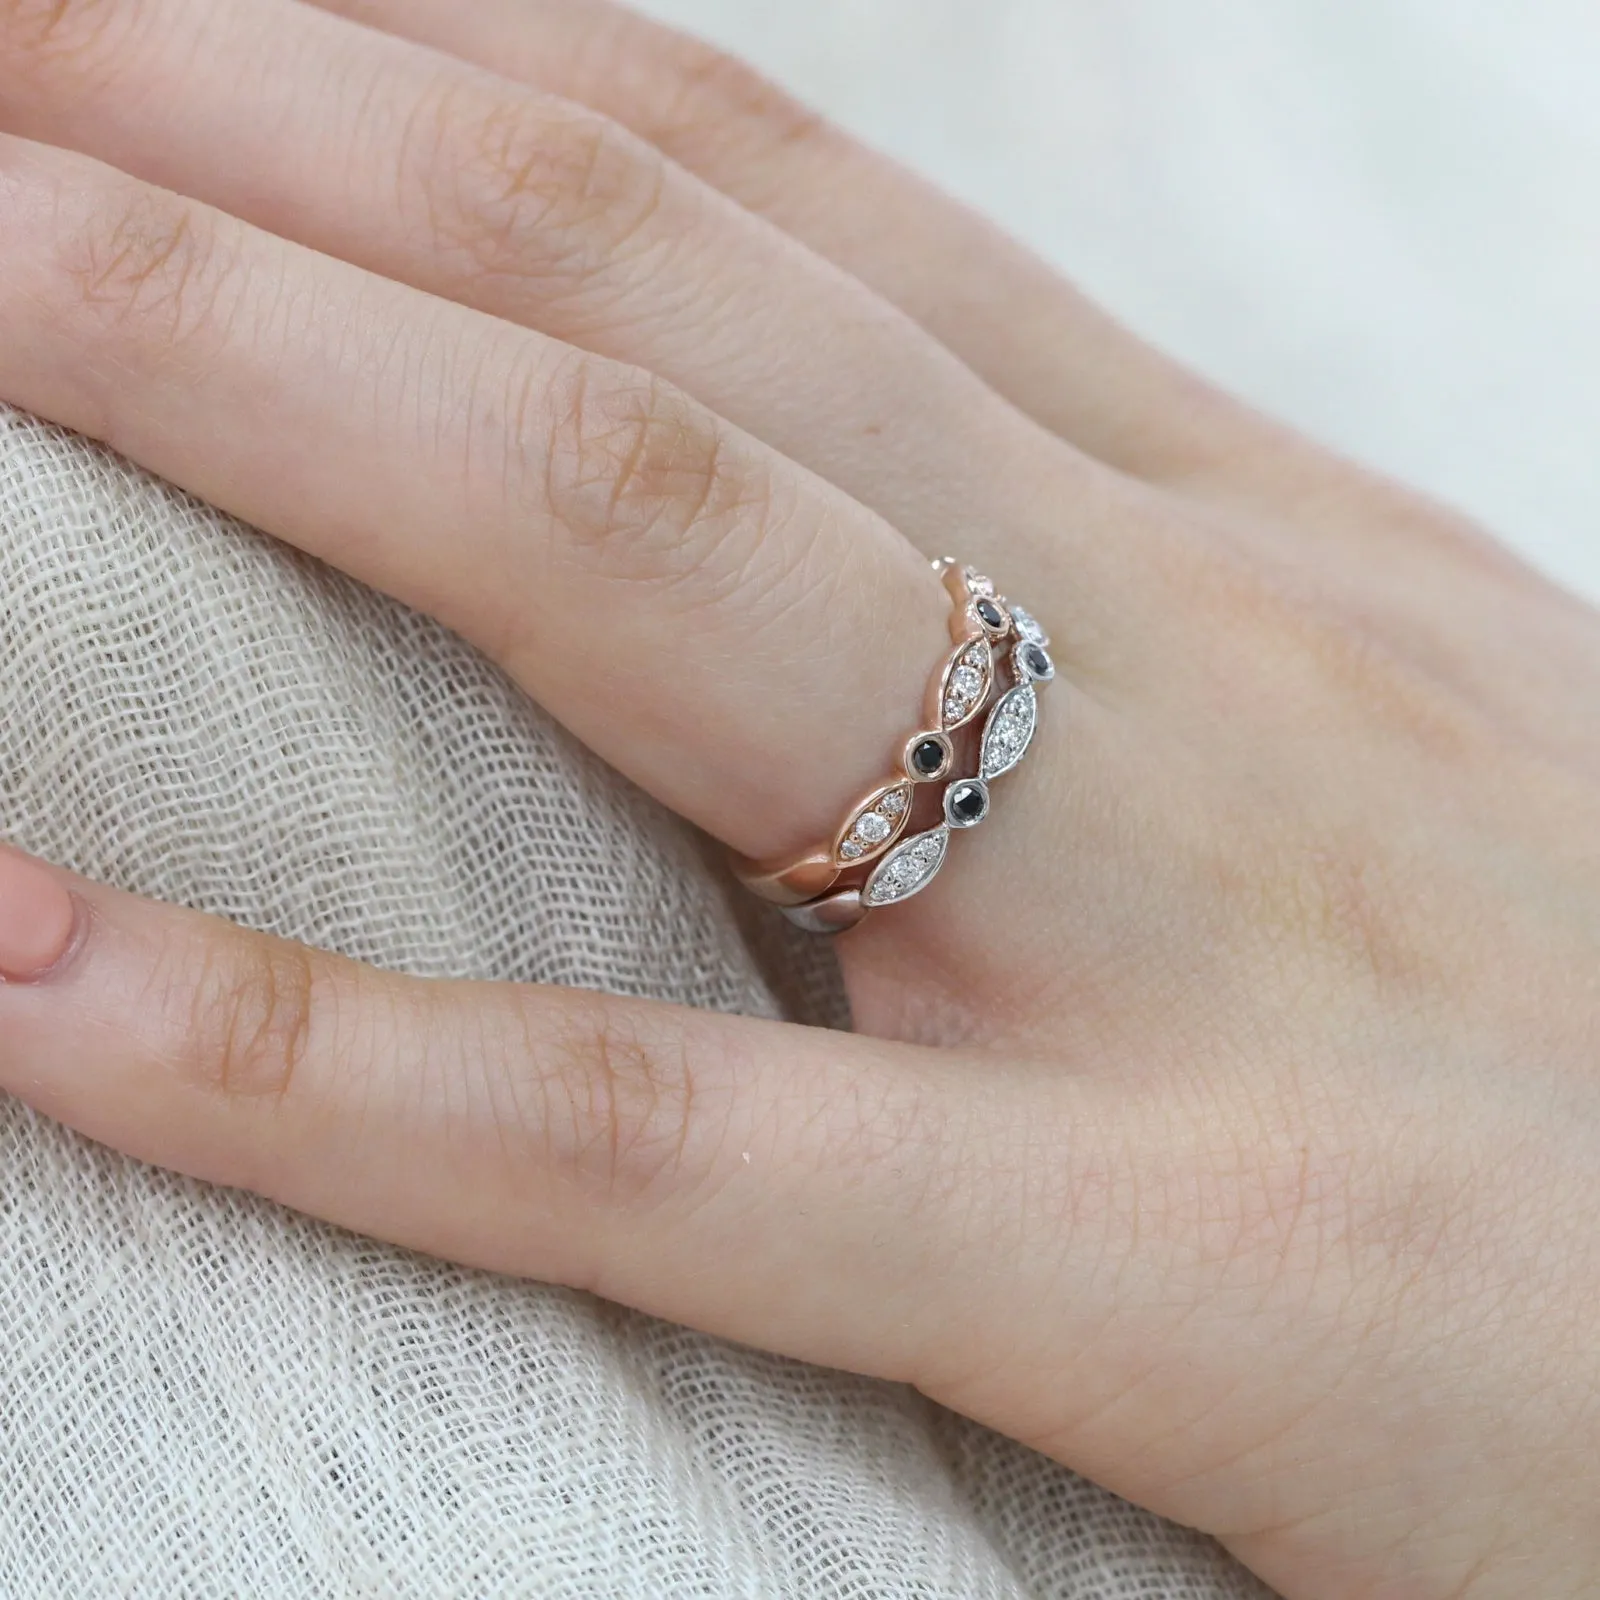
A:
{"x": 872, "y": 837}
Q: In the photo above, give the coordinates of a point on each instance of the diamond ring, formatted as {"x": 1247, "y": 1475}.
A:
{"x": 824, "y": 890}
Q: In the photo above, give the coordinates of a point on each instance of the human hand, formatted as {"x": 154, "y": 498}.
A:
{"x": 1224, "y": 1118}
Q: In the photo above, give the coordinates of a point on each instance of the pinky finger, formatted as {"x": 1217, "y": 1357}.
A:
{"x": 769, "y": 1183}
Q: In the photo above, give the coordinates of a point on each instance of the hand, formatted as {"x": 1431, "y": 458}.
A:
{"x": 1224, "y": 1120}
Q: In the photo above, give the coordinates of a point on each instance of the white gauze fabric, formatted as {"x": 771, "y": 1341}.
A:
{"x": 205, "y": 1395}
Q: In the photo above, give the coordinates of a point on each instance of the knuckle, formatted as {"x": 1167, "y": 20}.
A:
{"x": 148, "y": 260}
{"x": 1353, "y": 663}
{"x": 250, "y": 1016}
{"x": 530, "y": 188}
{"x": 48, "y": 34}
{"x": 624, "y": 1112}
{"x": 713, "y": 98}
{"x": 643, "y": 478}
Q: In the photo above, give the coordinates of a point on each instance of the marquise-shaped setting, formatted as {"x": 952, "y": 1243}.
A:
{"x": 875, "y": 826}
{"x": 967, "y": 681}
{"x": 908, "y": 869}
{"x": 1009, "y": 731}
{"x": 1028, "y": 628}
{"x": 988, "y": 615}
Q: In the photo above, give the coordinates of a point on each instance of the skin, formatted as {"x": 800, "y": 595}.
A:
{"x": 1222, "y": 1123}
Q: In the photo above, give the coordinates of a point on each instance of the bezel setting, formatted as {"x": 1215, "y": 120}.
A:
{"x": 909, "y": 760}
{"x": 1031, "y": 663}
{"x": 966, "y": 803}
{"x": 823, "y": 891}
{"x": 988, "y": 616}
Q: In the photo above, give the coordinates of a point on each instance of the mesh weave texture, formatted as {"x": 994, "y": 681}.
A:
{"x": 204, "y": 1395}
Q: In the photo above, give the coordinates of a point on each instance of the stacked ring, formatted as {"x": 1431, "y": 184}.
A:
{"x": 872, "y": 839}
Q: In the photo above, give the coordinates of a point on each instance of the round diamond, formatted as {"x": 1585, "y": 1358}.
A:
{"x": 850, "y": 850}
{"x": 892, "y": 804}
{"x": 873, "y": 828}
{"x": 928, "y": 757}
{"x": 965, "y": 682}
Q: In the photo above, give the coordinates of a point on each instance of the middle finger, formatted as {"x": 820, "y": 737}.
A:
{"x": 436, "y": 173}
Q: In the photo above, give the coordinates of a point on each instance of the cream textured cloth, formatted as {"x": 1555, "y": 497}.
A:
{"x": 204, "y": 1395}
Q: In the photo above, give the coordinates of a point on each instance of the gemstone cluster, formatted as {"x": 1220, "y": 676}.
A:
{"x": 910, "y": 868}
{"x": 1009, "y": 731}
{"x": 967, "y": 684}
{"x": 878, "y": 822}
{"x": 990, "y": 636}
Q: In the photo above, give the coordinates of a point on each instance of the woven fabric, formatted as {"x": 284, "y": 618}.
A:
{"x": 205, "y": 1395}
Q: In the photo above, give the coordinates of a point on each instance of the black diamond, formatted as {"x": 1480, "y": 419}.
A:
{"x": 1037, "y": 663}
{"x": 968, "y": 804}
{"x": 929, "y": 758}
{"x": 991, "y": 615}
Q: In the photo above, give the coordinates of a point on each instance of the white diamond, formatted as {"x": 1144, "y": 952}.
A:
{"x": 892, "y": 803}
{"x": 873, "y": 828}
{"x": 850, "y": 850}
{"x": 1009, "y": 731}
{"x": 903, "y": 872}
{"x": 1028, "y": 627}
{"x": 965, "y": 682}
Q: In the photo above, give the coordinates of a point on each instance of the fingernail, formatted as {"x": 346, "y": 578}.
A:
{"x": 38, "y": 918}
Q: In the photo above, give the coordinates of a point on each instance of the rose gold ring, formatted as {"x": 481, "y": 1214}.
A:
{"x": 832, "y": 886}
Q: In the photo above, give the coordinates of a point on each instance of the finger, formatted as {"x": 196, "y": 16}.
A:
{"x": 692, "y": 605}
{"x": 430, "y": 171}
{"x": 778, "y": 1185}
{"x": 1437, "y": 584}
{"x": 1006, "y": 314}
{"x": 1009, "y": 315}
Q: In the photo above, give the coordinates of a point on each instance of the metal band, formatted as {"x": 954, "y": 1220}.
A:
{"x": 956, "y": 695}
{"x": 870, "y": 863}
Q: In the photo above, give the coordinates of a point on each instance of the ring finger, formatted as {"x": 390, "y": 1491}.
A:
{"x": 693, "y": 605}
